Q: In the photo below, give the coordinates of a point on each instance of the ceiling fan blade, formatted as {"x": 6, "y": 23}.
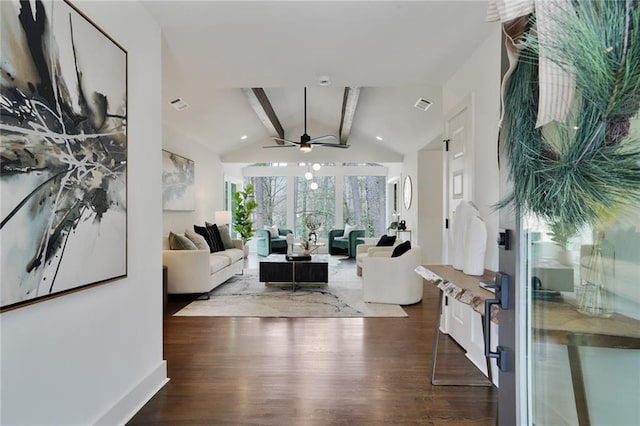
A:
{"x": 333, "y": 145}
{"x": 322, "y": 139}
{"x": 286, "y": 140}
{"x": 281, "y": 146}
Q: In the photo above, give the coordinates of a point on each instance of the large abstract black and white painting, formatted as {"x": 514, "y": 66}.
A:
{"x": 63, "y": 152}
{"x": 178, "y": 182}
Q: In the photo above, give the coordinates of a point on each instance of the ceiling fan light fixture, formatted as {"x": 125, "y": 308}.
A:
{"x": 306, "y": 142}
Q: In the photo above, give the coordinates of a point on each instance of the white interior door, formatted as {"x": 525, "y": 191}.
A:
{"x": 458, "y": 168}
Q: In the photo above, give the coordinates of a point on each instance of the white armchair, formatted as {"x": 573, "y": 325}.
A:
{"x": 387, "y": 279}
{"x": 363, "y": 251}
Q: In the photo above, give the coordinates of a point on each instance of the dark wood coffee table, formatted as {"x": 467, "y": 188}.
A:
{"x": 275, "y": 269}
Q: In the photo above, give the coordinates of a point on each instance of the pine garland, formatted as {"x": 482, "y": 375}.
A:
{"x": 585, "y": 171}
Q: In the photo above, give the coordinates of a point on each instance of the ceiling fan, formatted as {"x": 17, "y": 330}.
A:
{"x": 307, "y": 142}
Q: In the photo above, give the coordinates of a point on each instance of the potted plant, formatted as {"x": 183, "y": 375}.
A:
{"x": 245, "y": 204}
{"x": 560, "y": 235}
{"x": 305, "y": 244}
{"x": 393, "y": 227}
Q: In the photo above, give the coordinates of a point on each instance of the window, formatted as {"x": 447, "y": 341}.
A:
{"x": 320, "y": 202}
{"x": 230, "y": 204}
{"x": 345, "y": 193}
{"x": 271, "y": 195}
{"x": 364, "y": 203}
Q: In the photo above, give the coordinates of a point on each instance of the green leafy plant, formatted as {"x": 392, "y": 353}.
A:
{"x": 245, "y": 204}
{"x": 559, "y": 234}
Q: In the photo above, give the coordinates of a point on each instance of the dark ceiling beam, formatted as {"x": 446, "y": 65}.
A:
{"x": 349, "y": 104}
{"x": 260, "y": 103}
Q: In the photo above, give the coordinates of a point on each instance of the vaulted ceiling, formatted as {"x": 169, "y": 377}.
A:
{"x": 396, "y": 52}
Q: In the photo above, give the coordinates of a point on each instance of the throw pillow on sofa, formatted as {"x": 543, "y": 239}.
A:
{"x": 401, "y": 249}
{"x": 216, "y": 237}
{"x": 225, "y": 235}
{"x": 212, "y": 236}
{"x": 202, "y": 230}
{"x": 386, "y": 241}
{"x": 197, "y": 239}
{"x": 180, "y": 242}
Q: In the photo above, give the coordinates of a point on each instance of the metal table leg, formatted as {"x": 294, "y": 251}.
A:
{"x": 444, "y": 382}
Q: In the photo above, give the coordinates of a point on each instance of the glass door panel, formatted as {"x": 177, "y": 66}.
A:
{"x": 584, "y": 323}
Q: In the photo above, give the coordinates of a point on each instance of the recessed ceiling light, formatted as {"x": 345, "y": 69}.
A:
{"x": 243, "y": 137}
{"x": 324, "y": 80}
{"x": 379, "y": 138}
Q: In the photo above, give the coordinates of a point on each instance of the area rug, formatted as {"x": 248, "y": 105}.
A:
{"x": 244, "y": 296}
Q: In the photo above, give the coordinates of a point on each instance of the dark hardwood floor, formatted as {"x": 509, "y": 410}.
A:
{"x": 314, "y": 371}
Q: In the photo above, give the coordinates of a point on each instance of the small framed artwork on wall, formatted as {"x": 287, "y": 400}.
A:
{"x": 178, "y": 182}
{"x": 457, "y": 184}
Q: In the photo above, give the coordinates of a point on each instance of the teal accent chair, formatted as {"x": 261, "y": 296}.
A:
{"x": 339, "y": 245}
{"x": 268, "y": 245}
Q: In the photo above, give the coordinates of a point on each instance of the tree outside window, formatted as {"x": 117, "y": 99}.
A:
{"x": 320, "y": 202}
{"x": 271, "y": 196}
{"x": 364, "y": 203}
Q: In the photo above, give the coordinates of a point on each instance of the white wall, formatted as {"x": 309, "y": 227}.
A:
{"x": 480, "y": 76}
{"x": 430, "y": 202}
{"x": 95, "y": 356}
{"x": 209, "y": 184}
{"x": 410, "y": 215}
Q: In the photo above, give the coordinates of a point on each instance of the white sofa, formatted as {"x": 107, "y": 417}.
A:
{"x": 198, "y": 271}
{"x": 387, "y": 279}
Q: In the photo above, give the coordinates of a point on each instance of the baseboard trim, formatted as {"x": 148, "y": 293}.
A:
{"x": 124, "y": 409}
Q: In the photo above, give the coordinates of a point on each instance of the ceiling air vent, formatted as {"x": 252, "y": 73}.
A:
{"x": 179, "y": 104}
{"x": 423, "y": 104}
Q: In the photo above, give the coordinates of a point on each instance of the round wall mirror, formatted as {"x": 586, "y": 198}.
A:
{"x": 407, "y": 192}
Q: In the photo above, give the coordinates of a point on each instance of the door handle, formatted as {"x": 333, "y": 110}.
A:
{"x": 501, "y": 285}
